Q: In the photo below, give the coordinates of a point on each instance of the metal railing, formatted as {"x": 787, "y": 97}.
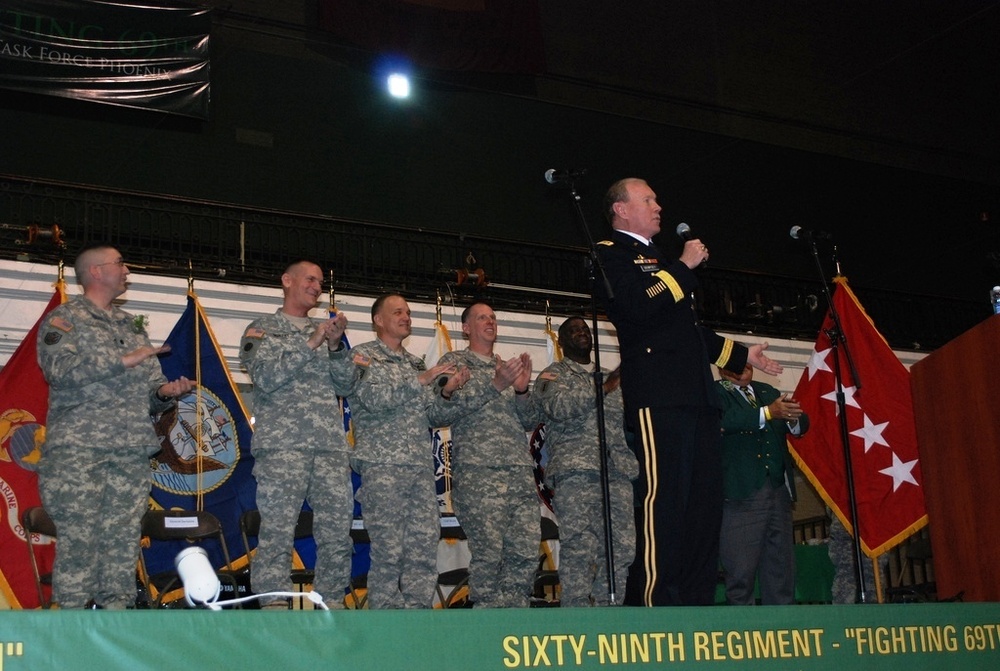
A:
{"x": 47, "y": 220}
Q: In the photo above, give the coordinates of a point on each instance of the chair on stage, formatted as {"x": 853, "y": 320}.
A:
{"x": 36, "y": 520}
{"x": 303, "y": 576}
{"x": 452, "y": 588}
{"x": 357, "y": 597}
{"x": 546, "y": 591}
{"x": 249, "y": 528}
{"x": 197, "y": 527}
{"x": 916, "y": 570}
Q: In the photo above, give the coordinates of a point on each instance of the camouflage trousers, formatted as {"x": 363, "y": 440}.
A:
{"x": 400, "y": 509}
{"x": 285, "y": 478}
{"x": 845, "y": 585}
{"x": 498, "y": 509}
{"x": 578, "y": 507}
{"x": 96, "y": 497}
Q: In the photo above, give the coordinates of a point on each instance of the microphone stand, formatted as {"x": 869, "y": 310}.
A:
{"x": 837, "y": 341}
{"x": 594, "y": 267}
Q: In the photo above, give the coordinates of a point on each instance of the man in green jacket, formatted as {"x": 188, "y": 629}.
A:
{"x": 756, "y": 538}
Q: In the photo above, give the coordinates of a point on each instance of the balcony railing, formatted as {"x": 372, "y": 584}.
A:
{"x": 169, "y": 235}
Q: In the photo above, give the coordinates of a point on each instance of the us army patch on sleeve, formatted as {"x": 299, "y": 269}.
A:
{"x": 361, "y": 359}
{"x": 254, "y": 333}
{"x": 61, "y": 324}
{"x": 52, "y": 337}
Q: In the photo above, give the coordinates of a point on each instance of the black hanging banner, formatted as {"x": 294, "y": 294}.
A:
{"x": 119, "y": 53}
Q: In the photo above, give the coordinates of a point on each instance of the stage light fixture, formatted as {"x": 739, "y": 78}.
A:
{"x": 398, "y": 85}
{"x": 202, "y": 587}
{"x": 201, "y": 584}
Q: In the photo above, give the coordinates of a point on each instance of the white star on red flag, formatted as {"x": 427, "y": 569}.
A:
{"x": 900, "y": 472}
{"x": 848, "y": 398}
{"x": 871, "y": 433}
{"x": 817, "y": 362}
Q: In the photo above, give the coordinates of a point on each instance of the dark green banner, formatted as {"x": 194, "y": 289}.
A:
{"x": 144, "y": 55}
{"x": 806, "y": 638}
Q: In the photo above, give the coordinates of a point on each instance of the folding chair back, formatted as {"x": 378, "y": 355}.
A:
{"x": 249, "y": 527}
{"x": 303, "y": 576}
{"x": 192, "y": 526}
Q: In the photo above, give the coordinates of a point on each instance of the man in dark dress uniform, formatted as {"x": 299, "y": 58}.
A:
{"x": 670, "y": 400}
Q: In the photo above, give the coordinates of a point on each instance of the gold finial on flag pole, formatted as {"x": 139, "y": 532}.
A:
{"x": 61, "y": 271}
{"x": 437, "y": 306}
{"x": 332, "y": 308}
{"x": 548, "y": 317}
{"x": 190, "y": 276}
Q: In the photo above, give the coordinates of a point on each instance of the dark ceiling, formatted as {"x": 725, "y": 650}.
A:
{"x": 873, "y": 120}
{"x": 877, "y": 121}
{"x": 908, "y": 84}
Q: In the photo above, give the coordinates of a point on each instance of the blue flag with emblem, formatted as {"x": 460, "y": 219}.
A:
{"x": 205, "y": 462}
{"x": 360, "y": 560}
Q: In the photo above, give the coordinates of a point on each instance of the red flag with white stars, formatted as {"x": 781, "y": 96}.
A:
{"x": 888, "y": 484}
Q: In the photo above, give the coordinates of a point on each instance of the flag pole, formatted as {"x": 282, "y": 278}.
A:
{"x": 445, "y": 451}
{"x": 198, "y": 405}
{"x": 330, "y": 312}
{"x": 553, "y": 338}
{"x": 332, "y": 309}
{"x": 837, "y": 341}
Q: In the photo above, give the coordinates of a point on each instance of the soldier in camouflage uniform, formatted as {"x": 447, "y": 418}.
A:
{"x": 392, "y": 453}
{"x": 94, "y": 476}
{"x": 298, "y": 365}
{"x": 565, "y": 392}
{"x": 493, "y": 483}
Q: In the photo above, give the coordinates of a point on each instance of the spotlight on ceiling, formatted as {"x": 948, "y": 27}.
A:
{"x": 398, "y": 85}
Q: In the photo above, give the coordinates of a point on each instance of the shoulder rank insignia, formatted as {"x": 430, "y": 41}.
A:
{"x": 606, "y": 243}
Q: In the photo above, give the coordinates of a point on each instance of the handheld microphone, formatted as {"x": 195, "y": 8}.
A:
{"x": 799, "y": 233}
{"x": 685, "y": 234}
{"x": 553, "y": 176}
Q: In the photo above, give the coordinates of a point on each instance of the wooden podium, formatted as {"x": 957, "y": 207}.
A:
{"x": 956, "y": 406}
